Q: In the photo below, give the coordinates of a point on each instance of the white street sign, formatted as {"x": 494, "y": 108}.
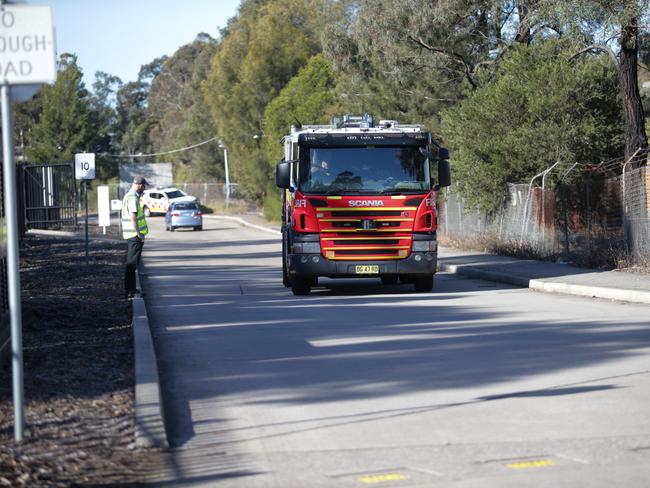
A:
{"x": 116, "y": 204}
{"x": 27, "y": 45}
{"x": 85, "y": 166}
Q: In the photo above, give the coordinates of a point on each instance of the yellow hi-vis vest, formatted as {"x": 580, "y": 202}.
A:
{"x": 127, "y": 226}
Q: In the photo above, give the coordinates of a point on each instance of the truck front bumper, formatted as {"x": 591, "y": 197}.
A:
{"x": 418, "y": 263}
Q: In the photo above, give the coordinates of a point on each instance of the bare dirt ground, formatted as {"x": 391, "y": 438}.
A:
{"x": 78, "y": 369}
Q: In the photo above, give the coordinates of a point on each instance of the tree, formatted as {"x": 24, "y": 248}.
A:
{"x": 410, "y": 60}
{"x": 607, "y": 26}
{"x": 309, "y": 98}
{"x": 539, "y": 109}
{"x": 134, "y": 125}
{"x": 262, "y": 50}
{"x": 177, "y": 100}
{"x": 64, "y": 127}
{"x": 26, "y": 116}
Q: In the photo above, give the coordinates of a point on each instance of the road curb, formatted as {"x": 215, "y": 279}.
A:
{"x": 472, "y": 272}
{"x": 633, "y": 296}
{"x": 149, "y": 423}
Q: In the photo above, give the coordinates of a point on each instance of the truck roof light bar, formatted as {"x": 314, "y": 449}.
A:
{"x": 365, "y": 121}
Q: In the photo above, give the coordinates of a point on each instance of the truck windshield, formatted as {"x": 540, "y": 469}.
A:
{"x": 370, "y": 170}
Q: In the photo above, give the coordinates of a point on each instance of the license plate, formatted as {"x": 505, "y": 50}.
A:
{"x": 367, "y": 269}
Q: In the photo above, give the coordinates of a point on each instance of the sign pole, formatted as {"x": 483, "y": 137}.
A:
{"x": 86, "y": 203}
{"x": 13, "y": 269}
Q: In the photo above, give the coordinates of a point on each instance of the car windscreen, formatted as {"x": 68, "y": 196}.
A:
{"x": 367, "y": 169}
{"x": 186, "y": 206}
{"x": 175, "y": 194}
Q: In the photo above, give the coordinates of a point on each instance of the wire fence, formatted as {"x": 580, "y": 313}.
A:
{"x": 599, "y": 219}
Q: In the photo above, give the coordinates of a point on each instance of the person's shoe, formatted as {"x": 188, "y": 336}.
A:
{"x": 131, "y": 294}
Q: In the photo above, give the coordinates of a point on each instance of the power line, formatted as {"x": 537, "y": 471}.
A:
{"x": 122, "y": 156}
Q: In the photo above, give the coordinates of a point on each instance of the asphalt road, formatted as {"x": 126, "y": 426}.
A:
{"x": 476, "y": 384}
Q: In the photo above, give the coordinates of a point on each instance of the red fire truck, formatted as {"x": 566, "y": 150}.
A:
{"x": 359, "y": 200}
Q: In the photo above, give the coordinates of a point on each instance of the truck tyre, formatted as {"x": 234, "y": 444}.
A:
{"x": 301, "y": 286}
{"x": 423, "y": 284}
{"x": 389, "y": 280}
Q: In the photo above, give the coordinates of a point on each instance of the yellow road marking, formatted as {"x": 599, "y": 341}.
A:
{"x": 538, "y": 463}
{"x": 382, "y": 478}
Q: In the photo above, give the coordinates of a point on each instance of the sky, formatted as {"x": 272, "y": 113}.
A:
{"x": 119, "y": 36}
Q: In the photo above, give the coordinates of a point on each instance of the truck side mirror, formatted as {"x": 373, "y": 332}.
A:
{"x": 444, "y": 172}
{"x": 283, "y": 174}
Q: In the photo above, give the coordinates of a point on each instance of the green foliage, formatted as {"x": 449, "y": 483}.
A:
{"x": 308, "y": 98}
{"x": 272, "y": 202}
{"x": 539, "y": 109}
{"x": 410, "y": 60}
{"x": 134, "y": 124}
{"x": 178, "y": 103}
{"x": 64, "y": 127}
{"x": 263, "y": 49}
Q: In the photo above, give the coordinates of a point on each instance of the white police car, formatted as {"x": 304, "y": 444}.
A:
{"x": 157, "y": 200}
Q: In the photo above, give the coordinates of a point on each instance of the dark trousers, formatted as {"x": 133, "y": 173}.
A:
{"x": 133, "y": 253}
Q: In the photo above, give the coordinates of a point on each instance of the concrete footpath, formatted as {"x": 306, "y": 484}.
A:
{"x": 536, "y": 275}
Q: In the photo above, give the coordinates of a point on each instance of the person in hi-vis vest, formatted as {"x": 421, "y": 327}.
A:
{"x": 134, "y": 228}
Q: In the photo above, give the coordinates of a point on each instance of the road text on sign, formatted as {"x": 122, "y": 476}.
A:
{"x": 27, "y": 50}
{"x": 85, "y": 166}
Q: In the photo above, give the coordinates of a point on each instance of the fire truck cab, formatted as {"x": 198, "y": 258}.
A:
{"x": 359, "y": 200}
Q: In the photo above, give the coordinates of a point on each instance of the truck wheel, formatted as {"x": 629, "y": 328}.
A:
{"x": 389, "y": 280}
{"x": 423, "y": 284}
{"x": 301, "y": 286}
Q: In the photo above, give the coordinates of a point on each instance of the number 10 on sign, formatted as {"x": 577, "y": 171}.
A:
{"x": 85, "y": 166}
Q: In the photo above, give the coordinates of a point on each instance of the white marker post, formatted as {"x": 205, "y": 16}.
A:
{"x": 103, "y": 208}
{"x": 84, "y": 164}
{"x": 27, "y": 58}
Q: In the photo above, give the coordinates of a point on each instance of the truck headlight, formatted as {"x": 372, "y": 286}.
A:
{"x": 425, "y": 246}
{"x": 306, "y": 247}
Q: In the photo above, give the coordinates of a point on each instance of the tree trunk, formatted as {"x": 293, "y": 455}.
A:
{"x": 635, "y": 135}
{"x": 523, "y": 30}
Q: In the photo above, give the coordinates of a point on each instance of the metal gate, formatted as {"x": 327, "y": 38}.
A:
{"x": 50, "y": 195}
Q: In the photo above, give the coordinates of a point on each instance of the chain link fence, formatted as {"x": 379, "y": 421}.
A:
{"x": 600, "y": 219}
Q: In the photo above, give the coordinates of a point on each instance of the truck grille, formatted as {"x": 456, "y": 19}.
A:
{"x": 358, "y": 234}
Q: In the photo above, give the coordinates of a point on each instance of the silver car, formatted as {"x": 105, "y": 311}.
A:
{"x": 183, "y": 214}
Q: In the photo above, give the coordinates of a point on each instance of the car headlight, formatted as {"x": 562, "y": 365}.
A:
{"x": 306, "y": 247}
{"x": 425, "y": 246}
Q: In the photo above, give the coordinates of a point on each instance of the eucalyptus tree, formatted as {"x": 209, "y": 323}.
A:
{"x": 413, "y": 59}
{"x": 613, "y": 27}
{"x": 134, "y": 125}
{"x": 261, "y": 50}
{"x": 177, "y": 101}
